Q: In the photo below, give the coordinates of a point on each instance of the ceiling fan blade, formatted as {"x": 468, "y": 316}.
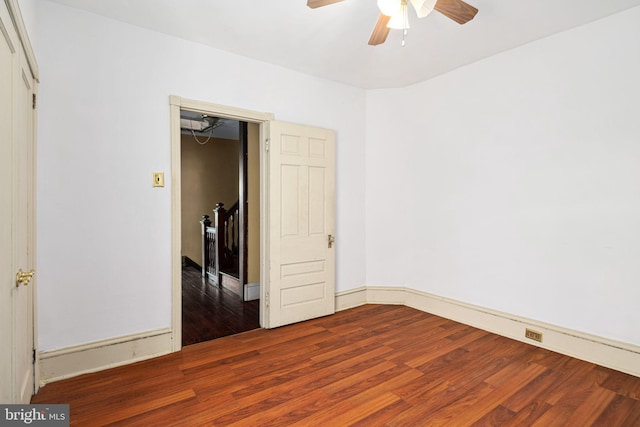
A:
{"x": 380, "y": 31}
{"x": 457, "y": 10}
{"x": 319, "y": 3}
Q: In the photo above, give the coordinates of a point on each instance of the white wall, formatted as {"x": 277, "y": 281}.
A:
{"x": 104, "y": 233}
{"x": 509, "y": 183}
{"x": 513, "y": 183}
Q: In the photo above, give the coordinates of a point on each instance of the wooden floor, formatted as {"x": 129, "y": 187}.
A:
{"x": 210, "y": 312}
{"x": 369, "y": 366}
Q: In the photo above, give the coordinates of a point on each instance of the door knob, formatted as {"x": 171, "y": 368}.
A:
{"x": 24, "y": 277}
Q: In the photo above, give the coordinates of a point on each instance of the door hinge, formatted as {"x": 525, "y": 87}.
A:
{"x": 266, "y": 299}
{"x": 34, "y": 101}
{"x": 33, "y": 355}
{"x": 266, "y": 144}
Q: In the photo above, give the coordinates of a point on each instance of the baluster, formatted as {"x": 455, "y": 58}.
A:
{"x": 220, "y": 214}
{"x": 236, "y": 232}
{"x": 204, "y": 223}
{"x": 212, "y": 262}
{"x": 226, "y": 238}
{"x": 232, "y": 234}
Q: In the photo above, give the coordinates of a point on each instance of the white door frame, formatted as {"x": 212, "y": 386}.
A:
{"x": 262, "y": 119}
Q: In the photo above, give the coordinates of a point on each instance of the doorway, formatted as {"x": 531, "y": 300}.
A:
{"x": 260, "y": 120}
{"x": 220, "y": 230}
{"x": 297, "y": 216}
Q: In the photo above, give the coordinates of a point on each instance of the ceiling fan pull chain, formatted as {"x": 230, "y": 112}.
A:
{"x": 405, "y": 21}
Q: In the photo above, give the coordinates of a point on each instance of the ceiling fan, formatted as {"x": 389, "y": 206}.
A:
{"x": 394, "y": 14}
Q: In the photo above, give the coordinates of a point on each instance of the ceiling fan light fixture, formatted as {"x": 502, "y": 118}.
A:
{"x": 423, "y": 7}
{"x": 400, "y": 20}
{"x": 389, "y": 7}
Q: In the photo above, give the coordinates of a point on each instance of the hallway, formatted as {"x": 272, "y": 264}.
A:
{"x": 209, "y": 312}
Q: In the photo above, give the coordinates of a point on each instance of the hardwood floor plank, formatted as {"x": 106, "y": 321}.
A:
{"x": 575, "y": 376}
{"x": 362, "y": 408}
{"x": 571, "y": 394}
{"x": 618, "y": 413}
{"x": 314, "y": 376}
{"x": 633, "y": 417}
{"x": 369, "y": 366}
{"x": 462, "y": 373}
{"x": 287, "y": 413}
{"x": 523, "y": 397}
{"x": 443, "y": 347}
{"x": 591, "y": 408}
{"x": 360, "y": 386}
{"x": 446, "y": 407}
{"x": 360, "y": 379}
{"x": 121, "y": 410}
{"x": 210, "y": 312}
{"x": 498, "y": 417}
{"x": 502, "y": 392}
{"x": 620, "y": 383}
{"x": 528, "y": 414}
{"x": 383, "y": 415}
{"x": 176, "y": 414}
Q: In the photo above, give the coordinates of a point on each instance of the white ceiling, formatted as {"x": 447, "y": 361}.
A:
{"x": 331, "y": 42}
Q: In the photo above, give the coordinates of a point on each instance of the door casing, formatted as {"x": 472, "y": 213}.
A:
{"x": 262, "y": 119}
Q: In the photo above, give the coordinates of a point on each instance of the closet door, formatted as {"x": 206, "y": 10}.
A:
{"x": 17, "y": 210}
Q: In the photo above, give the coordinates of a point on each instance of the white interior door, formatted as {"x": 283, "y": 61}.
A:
{"x": 17, "y": 229}
{"x": 24, "y": 232}
{"x": 301, "y": 164}
{"x": 6, "y": 204}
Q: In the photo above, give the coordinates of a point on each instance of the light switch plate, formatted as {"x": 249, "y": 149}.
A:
{"x": 158, "y": 179}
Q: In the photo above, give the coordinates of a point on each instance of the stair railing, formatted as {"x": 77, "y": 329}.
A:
{"x": 220, "y": 240}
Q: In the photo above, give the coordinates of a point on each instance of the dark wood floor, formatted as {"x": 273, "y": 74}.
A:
{"x": 369, "y": 366}
{"x": 210, "y": 312}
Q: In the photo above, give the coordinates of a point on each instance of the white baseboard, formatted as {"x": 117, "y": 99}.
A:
{"x": 92, "y": 357}
{"x": 252, "y": 291}
{"x": 96, "y": 356}
{"x": 72, "y": 361}
{"x": 616, "y": 355}
{"x": 351, "y": 298}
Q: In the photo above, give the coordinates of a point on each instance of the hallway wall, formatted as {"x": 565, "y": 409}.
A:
{"x": 209, "y": 176}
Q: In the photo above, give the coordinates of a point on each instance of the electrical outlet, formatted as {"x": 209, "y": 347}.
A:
{"x": 533, "y": 335}
{"x": 158, "y": 179}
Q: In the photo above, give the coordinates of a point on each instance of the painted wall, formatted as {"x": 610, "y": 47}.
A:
{"x": 209, "y": 176}
{"x": 509, "y": 183}
{"x": 104, "y": 249}
{"x": 512, "y": 183}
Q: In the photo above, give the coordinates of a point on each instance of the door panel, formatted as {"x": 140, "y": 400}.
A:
{"x": 7, "y": 70}
{"x": 17, "y": 223}
{"x": 24, "y": 227}
{"x": 301, "y": 211}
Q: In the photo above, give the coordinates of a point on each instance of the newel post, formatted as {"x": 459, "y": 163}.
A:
{"x": 205, "y": 222}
